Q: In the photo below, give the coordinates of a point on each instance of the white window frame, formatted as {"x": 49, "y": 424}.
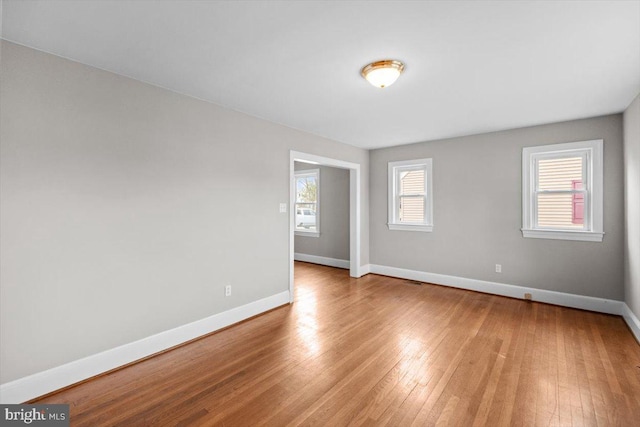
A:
{"x": 395, "y": 168}
{"x": 300, "y": 174}
{"x": 592, "y": 155}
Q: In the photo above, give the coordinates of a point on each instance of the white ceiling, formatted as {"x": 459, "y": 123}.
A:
{"x": 471, "y": 67}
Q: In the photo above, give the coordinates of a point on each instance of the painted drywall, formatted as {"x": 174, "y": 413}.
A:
{"x": 333, "y": 241}
{"x": 632, "y": 206}
{"x": 477, "y": 213}
{"x": 126, "y": 208}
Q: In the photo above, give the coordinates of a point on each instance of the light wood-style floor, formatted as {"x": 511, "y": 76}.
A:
{"x": 381, "y": 351}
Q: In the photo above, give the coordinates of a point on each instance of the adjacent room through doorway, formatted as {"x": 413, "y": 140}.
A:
{"x": 307, "y": 197}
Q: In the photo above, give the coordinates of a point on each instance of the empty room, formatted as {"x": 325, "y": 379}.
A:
{"x": 333, "y": 213}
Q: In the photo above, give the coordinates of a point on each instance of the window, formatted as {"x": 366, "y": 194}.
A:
{"x": 307, "y": 209}
{"x": 562, "y": 191}
{"x": 410, "y": 195}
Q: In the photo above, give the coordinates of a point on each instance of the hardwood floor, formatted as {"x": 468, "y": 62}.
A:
{"x": 382, "y": 351}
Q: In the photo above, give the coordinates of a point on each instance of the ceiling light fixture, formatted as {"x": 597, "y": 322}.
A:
{"x": 382, "y": 73}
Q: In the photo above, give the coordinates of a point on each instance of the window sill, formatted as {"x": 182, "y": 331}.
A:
{"x": 307, "y": 233}
{"x": 585, "y": 236}
{"x": 407, "y": 227}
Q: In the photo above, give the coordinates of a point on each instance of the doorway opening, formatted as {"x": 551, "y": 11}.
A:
{"x": 354, "y": 210}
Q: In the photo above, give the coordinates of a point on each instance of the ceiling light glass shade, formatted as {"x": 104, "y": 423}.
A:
{"x": 383, "y": 73}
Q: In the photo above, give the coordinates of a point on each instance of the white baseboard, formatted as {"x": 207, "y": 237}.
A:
{"x": 365, "y": 269}
{"x": 35, "y": 385}
{"x": 53, "y": 379}
{"x": 632, "y": 321}
{"x": 601, "y": 305}
{"x": 314, "y": 259}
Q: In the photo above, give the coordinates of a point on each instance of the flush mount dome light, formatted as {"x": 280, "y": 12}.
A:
{"x": 382, "y": 73}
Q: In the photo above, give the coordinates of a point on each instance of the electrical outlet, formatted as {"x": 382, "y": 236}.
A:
{"x": 527, "y": 296}
{"x": 227, "y": 291}
{"x": 498, "y": 268}
{"x": 283, "y": 208}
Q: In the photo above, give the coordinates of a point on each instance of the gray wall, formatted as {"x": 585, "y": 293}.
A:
{"x": 125, "y": 208}
{"x": 333, "y": 241}
{"x": 477, "y": 213}
{"x": 632, "y": 206}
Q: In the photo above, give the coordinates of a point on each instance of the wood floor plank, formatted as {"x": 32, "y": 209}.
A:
{"x": 378, "y": 351}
